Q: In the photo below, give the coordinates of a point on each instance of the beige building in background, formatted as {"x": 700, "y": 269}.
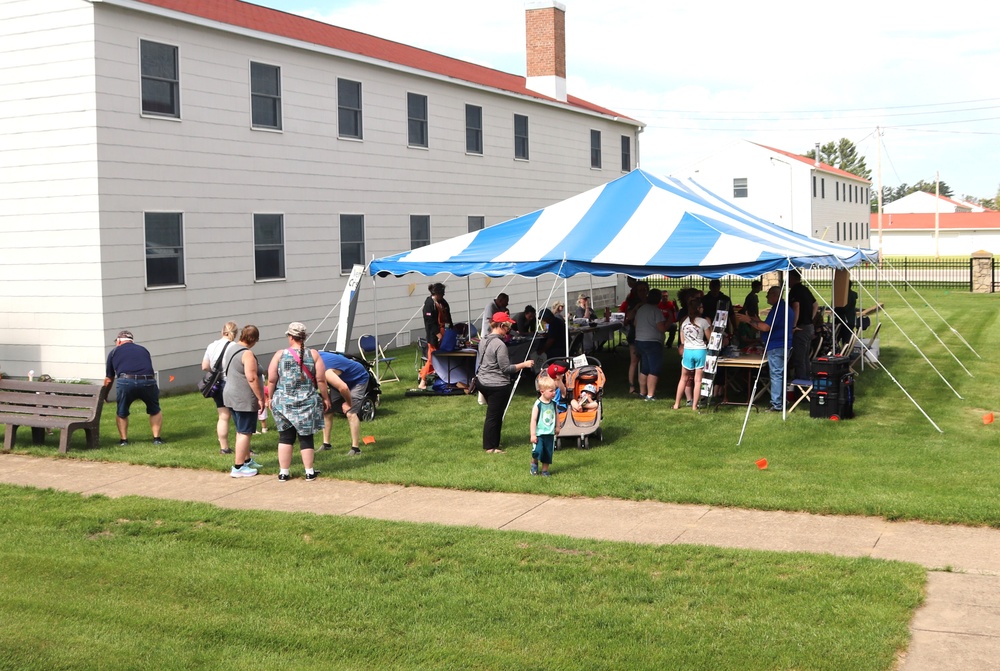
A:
{"x": 168, "y": 165}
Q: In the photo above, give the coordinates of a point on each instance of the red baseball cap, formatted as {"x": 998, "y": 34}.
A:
{"x": 556, "y": 369}
{"x": 501, "y": 317}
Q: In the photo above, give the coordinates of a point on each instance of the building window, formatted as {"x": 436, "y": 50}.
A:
{"x": 416, "y": 115}
{"x": 814, "y": 186}
{"x": 352, "y": 241}
{"x": 626, "y": 153}
{"x": 269, "y": 246}
{"x": 739, "y": 187}
{"x": 837, "y": 184}
{"x": 837, "y": 239}
{"x": 476, "y": 223}
{"x": 265, "y": 96}
{"x": 161, "y": 87}
{"x": 595, "y": 149}
{"x": 420, "y": 230}
{"x": 473, "y": 129}
{"x": 521, "y": 137}
{"x": 822, "y": 187}
{"x": 349, "y": 108}
{"x": 164, "y": 249}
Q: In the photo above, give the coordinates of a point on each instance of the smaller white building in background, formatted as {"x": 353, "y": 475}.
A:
{"x": 922, "y": 201}
{"x": 793, "y": 191}
{"x": 955, "y": 233}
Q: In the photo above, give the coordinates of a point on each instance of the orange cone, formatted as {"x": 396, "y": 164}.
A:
{"x": 988, "y": 418}
{"x": 762, "y": 464}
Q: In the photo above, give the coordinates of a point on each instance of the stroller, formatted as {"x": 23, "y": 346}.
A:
{"x": 582, "y": 425}
{"x": 373, "y": 391}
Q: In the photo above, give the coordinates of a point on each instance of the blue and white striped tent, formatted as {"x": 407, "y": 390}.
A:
{"x": 639, "y": 225}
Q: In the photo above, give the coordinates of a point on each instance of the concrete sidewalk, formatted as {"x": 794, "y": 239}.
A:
{"x": 958, "y": 628}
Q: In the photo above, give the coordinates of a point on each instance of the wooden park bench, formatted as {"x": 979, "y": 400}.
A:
{"x": 51, "y": 405}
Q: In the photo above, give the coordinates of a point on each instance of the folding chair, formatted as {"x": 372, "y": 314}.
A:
{"x": 804, "y": 388}
{"x": 420, "y": 358}
{"x": 372, "y": 352}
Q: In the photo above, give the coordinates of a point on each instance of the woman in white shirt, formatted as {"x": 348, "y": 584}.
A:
{"x": 212, "y": 354}
{"x": 694, "y": 344}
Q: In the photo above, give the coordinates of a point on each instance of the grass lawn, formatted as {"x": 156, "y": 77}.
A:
{"x": 889, "y": 461}
{"x": 133, "y": 583}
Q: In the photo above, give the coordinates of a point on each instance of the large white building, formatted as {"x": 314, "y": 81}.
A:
{"x": 793, "y": 191}
{"x": 168, "y": 165}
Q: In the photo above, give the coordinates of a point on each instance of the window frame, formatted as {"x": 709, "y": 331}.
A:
{"x": 173, "y": 84}
{"x": 417, "y": 220}
{"x": 176, "y": 250}
{"x": 741, "y": 190}
{"x": 626, "y": 153}
{"x": 348, "y": 219}
{"x": 595, "y": 149}
{"x": 261, "y": 247}
{"x": 474, "y": 134}
{"x": 416, "y": 125}
{"x": 477, "y": 222}
{"x": 263, "y": 96}
{"x": 522, "y": 144}
{"x": 355, "y": 115}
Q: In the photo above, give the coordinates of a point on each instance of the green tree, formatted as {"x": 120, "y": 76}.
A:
{"x": 842, "y": 154}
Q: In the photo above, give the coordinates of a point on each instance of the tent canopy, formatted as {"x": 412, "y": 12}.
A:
{"x": 639, "y": 225}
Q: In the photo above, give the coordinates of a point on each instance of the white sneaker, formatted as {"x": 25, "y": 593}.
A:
{"x": 242, "y": 472}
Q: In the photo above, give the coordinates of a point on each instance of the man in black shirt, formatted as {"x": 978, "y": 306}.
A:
{"x": 804, "y": 305}
{"x": 131, "y": 368}
{"x": 526, "y": 322}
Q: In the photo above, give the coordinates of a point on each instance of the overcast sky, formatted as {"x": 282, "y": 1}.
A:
{"x": 703, "y": 75}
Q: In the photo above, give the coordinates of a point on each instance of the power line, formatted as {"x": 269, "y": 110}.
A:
{"x": 835, "y": 111}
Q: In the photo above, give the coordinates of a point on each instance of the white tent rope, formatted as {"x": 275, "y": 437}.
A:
{"x": 756, "y": 381}
{"x": 950, "y": 327}
{"x": 931, "y": 329}
{"x": 530, "y": 346}
{"x": 865, "y": 350}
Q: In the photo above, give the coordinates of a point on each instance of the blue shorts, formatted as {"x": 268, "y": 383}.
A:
{"x": 133, "y": 390}
{"x": 694, "y": 358}
{"x": 544, "y": 449}
{"x": 650, "y": 356}
{"x": 245, "y": 421}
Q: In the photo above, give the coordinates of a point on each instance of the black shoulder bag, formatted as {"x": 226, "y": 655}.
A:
{"x": 212, "y": 381}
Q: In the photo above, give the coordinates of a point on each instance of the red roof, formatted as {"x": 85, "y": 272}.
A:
{"x": 812, "y": 163}
{"x": 922, "y": 221}
{"x": 283, "y": 24}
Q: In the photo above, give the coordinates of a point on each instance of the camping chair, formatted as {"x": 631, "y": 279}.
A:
{"x": 372, "y": 352}
{"x": 802, "y": 386}
{"x": 863, "y": 351}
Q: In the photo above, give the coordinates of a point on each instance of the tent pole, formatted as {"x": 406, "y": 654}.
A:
{"x": 565, "y": 306}
{"x": 784, "y": 369}
{"x": 378, "y": 374}
{"x": 468, "y": 300}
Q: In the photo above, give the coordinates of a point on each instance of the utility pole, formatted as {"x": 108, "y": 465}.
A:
{"x": 878, "y": 141}
{"x": 937, "y": 212}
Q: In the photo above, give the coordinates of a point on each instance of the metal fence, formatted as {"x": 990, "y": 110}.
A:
{"x": 904, "y": 272}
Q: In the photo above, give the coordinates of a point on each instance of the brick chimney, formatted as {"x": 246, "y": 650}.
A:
{"x": 545, "y": 34}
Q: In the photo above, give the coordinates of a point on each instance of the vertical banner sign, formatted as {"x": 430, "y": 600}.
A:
{"x": 348, "y": 304}
{"x": 714, "y": 349}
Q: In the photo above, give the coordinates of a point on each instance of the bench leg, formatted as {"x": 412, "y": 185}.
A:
{"x": 8, "y": 437}
{"x": 37, "y": 435}
{"x": 64, "y": 435}
{"x": 93, "y": 437}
